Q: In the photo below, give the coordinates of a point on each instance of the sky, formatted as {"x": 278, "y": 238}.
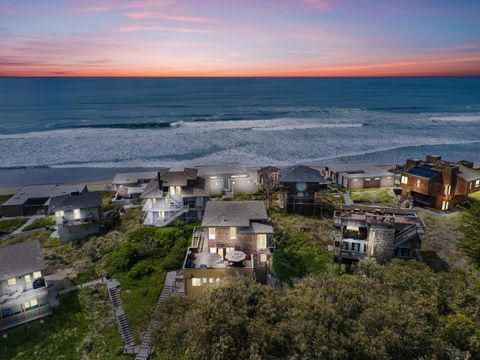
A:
{"x": 240, "y": 38}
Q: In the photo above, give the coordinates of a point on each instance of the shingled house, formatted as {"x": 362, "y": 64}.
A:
{"x": 375, "y": 232}
{"x": 77, "y": 215}
{"x": 23, "y": 291}
{"x": 176, "y": 193}
{"x": 437, "y": 183}
{"x": 235, "y": 240}
{"x": 229, "y": 179}
{"x": 129, "y": 186}
{"x": 295, "y": 186}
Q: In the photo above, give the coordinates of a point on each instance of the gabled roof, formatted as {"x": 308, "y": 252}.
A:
{"x": 468, "y": 174}
{"x": 20, "y": 259}
{"x": 177, "y": 176}
{"x": 300, "y": 173}
{"x": 152, "y": 190}
{"x": 42, "y": 191}
{"x": 76, "y": 201}
{"x": 233, "y": 213}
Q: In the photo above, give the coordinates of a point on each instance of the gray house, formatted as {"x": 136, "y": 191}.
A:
{"x": 23, "y": 291}
{"x": 358, "y": 176}
{"x": 129, "y": 186}
{"x": 77, "y": 215}
{"x": 229, "y": 179}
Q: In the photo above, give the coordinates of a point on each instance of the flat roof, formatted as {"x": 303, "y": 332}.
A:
{"x": 42, "y": 191}
{"x": 132, "y": 178}
{"x": 221, "y": 169}
{"x": 468, "y": 174}
{"x": 358, "y": 170}
{"x": 20, "y": 259}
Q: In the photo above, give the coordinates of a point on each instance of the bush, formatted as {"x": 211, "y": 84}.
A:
{"x": 8, "y": 226}
{"x": 123, "y": 258}
{"x": 40, "y": 223}
{"x": 141, "y": 269}
{"x": 470, "y": 226}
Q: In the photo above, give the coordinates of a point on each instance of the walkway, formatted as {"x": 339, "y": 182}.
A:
{"x": 113, "y": 287}
{"x": 81, "y": 286}
{"x": 30, "y": 221}
{"x": 347, "y": 200}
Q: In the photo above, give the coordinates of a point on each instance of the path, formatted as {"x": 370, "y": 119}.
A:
{"x": 81, "y": 286}
{"x": 30, "y": 221}
{"x": 347, "y": 200}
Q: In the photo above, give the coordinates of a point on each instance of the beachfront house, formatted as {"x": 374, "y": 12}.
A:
{"x": 176, "y": 193}
{"x": 298, "y": 186}
{"x": 24, "y": 295}
{"x": 229, "y": 179}
{"x": 375, "y": 232}
{"x": 129, "y": 186}
{"x": 77, "y": 215}
{"x": 358, "y": 176}
{"x": 235, "y": 239}
{"x": 437, "y": 183}
{"x": 35, "y": 199}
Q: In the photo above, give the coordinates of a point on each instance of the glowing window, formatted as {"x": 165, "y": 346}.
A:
{"x": 261, "y": 241}
{"x": 27, "y": 278}
{"x": 233, "y": 233}
{"x": 263, "y": 257}
{"x": 37, "y": 274}
{"x": 211, "y": 280}
{"x": 404, "y": 179}
{"x": 59, "y": 213}
{"x": 76, "y": 214}
{"x": 196, "y": 282}
{"x": 204, "y": 281}
{"x": 12, "y": 281}
{"x": 211, "y": 233}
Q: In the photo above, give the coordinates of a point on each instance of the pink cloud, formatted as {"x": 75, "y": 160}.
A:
{"x": 157, "y": 15}
{"x": 322, "y": 5}
{"x": 140, "y": 27}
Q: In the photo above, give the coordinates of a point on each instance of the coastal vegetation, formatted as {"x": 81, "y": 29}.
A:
{"x": 40, "y": 223}
{"x": 10, "y": 225}
{"x": 383, "y": 197}
{"x": 402, "y": 310}
{"x": 470, "y": 226}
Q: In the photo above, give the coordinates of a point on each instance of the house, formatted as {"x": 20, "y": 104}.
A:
{"x": 24, "y": 295}
{"x": 375, "y": 232}
{"x": 296, "y": 187}
{"x": 177, "y": 193}
{"x": 229, "y": 179}
{"x": 235, "y": 240}
{"x": 437, "y": 183}
{"x": 77, "y": 215}
{"x": 129, "y": 186}
{"x": 35, "y": 199}
{"x": 358, "y": 176}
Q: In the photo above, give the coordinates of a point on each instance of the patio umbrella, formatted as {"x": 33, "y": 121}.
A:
{"x": 235, "y": 255}
{"x": 209, "y": 259}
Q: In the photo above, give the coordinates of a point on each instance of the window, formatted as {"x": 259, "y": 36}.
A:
{"x": 445, "y": 205}
{"x": 355, "y": 180}
{"x": 204, "y": 281}
{"x": 29, "y": 304}
{"x": 161, "y": 214}
{"x": 213, "y": 250}
{"x": 211, "y": 280}
{"x": 211, "y": 233}
{"x": 59, "y": 213}
{"x": 448, "y": 189}
{"x": 356, "y": 246}
{"x": 218, "y": 280}
{"x": 262, "y": 241}
{"x": 37, "y": 274}
{"x": 175, "y": 190}
{"x": 477, "y": 183}
{"x": 172, "y": 190}
{"x": 12, "y": 281}
{"x": 154, "y": 201}
{"x": 404, "y": 179}
{"x": 230, "y": 249}
{"x": 196, "y": 282}
{"x": 376, "y": 179}
{"x": 76, "y": 214}
{"x": 263, "y": 258}
{"x": 233, "y": 233}
{"x": 368, "y": 179}
{"x": 418, "y": 183}
{"x": 27, "y": 278}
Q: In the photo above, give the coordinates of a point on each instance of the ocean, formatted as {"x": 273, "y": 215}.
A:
{"x": 77, "y": 129}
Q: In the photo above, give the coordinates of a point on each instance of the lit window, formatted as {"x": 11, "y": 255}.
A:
{"x": 263, "y": 257}
{"x": 12, "y": 281}
{"x": 233, "y": 233}
{"x": 261, "y": 241}
{"x": 418, "y": 183}
{"x": 368, "y": 179}
{"x": 376, "y": 179}
{"x": 196, "y": 282}
{"x": 154, "y": 201}
{"x": 204, "y": 281}
{"x": 211, "y": 233}
{"x": 161, "y": 214}
{"x": 404, "y": 179}
{"x": 213, "y": 250}
{"x": 228, "y": 249}
{"x": 211, "y": 280}
{"x": 27, "y": 278}
{"x": 218, "y": 280}
{"x": 33, "y": 302}
{"x": 448, "y": 189}
{"x": 477, "y": 183}
{"x": 355, "y": 180}
{"x": 59, "y": 213}
{"x": 37, "y": 274}
{"x": 178, "y": 190}
{"x": 76, "y": 214}
{"x": 445, "y": 205}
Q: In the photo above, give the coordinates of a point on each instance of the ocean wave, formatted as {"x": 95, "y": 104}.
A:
{"x": 149, "y": 125}
{"x": 456, "y": 118}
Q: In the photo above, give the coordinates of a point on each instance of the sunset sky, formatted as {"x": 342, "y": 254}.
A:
{"x": 239, "y": 38}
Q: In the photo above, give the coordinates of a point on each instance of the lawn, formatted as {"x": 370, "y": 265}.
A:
{"x": 10, "y": 225}
{"x": 384, "y": 196}
{"x": 41, "y": 223}
{"x": 82, "y": 327}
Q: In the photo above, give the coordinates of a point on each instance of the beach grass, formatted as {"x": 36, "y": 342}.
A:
{"x": 10, "y": 225}
{"x": 384, "y": 196}
{"x": 40, "y": 223}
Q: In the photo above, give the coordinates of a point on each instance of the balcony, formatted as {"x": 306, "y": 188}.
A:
{"x": 348, "y": 254}
{"x": 25, "y": 316}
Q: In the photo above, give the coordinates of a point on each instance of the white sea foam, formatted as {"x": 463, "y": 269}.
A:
{"x": 456, "y": 118}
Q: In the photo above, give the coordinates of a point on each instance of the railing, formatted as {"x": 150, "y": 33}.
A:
{"x": 348, "y": 254}
{"x": 405, "y": 234}
{"x": 78, "y": 222}
{"x": 17, "y": 319}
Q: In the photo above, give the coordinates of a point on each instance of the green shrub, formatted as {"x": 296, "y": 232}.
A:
{"x": 40, "y": 223}
{"x": 141, "y": 269}
{"x": 7, "y": 226}
{"x": 470, "y": 226}
{"x": 123, "y": 257}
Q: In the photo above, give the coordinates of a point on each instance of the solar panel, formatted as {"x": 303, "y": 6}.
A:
{"x": 423, "y": 171}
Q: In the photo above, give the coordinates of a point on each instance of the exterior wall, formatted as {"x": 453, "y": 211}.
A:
{"x": 381, "y": 243}
{"x": 70, "y": 229}
{"x": 244, "y": 242}
{"x": 12, "y": 210}
{"x": 77, "y": 232}
{"x": 209, "y": 274}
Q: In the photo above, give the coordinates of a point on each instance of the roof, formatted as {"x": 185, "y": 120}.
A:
{"x": 468, "y": 174}
{"x": 42, "y": 191}
{"x": 221, "y": 169}
{"x": 233, "y": 213}
{"x": 133, "y": 178}
{"x": 423, "y": 170}
{"x": 20, "y": 259}
{"x": 77, "y": 201}
{"x": 177, "y": 176}
{"x": 300, "y": 173}
{"x": 358, "y": 170}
